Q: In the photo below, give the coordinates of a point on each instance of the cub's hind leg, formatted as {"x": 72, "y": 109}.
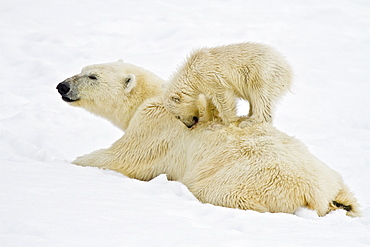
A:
{"x": 225, "y": 103}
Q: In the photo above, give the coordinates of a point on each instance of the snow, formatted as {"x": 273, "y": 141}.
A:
{"x": 46, "y": 201}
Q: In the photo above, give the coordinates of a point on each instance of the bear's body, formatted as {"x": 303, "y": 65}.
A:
{"x": 249, "y": 71}
{"x": 257, "y": 167}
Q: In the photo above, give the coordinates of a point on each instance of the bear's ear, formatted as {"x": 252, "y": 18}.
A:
{"x": 129, "y": 82}
{"x": 120, "y": 60}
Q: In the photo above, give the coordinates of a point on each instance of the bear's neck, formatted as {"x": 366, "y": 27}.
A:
{"x": 121, "y": 116}
{"x": 121, "y": 113}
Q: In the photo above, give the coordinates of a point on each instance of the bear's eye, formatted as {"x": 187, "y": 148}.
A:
{"x": 92, "y": 77}
{"x": 175, "y": 99}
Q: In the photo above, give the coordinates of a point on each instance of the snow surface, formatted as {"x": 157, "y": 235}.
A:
{"x": 46, "y": 201}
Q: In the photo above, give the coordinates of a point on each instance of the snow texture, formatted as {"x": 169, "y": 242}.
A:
{"x": 46, "y": 201}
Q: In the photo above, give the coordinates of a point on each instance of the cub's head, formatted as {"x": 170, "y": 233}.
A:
{"x": 97, "y": 85}
{"x": 183, "y": 107}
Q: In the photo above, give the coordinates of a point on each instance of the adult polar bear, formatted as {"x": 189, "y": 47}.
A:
{"x": 257, "y": 167}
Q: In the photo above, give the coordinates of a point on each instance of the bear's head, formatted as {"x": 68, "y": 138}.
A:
{"x": 97, "y": 83}
{"x": 111, "y": 90}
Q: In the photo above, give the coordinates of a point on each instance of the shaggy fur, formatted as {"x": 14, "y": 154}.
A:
{"x": 252, "y": 168}
{"x": 249, "y": 71}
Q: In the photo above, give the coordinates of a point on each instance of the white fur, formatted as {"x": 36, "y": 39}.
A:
{"x": 119, "y": 86}
{"x": 250, "y": 71}
{"x": 257, "y": 167}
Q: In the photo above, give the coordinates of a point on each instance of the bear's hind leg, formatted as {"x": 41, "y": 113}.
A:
{"x": 346, "y": 200}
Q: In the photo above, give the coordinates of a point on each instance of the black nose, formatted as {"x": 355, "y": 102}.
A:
{"x": 195, "y": 119}
{"x": 63, "y": 88}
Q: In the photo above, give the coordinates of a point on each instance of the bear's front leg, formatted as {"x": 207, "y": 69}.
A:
{"x": 100, "y": 158}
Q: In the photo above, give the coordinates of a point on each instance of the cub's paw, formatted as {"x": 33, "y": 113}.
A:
{"x": 245, "y": 122}
{"x": 215, "y": 126}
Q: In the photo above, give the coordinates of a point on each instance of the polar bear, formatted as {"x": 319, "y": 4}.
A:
{"x": 97, "y": 85}
{"x": 250, "y": 71}
{"x": 253, "y": 168}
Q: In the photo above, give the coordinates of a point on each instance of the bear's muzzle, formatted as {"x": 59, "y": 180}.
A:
{"x": 64, "y": 89}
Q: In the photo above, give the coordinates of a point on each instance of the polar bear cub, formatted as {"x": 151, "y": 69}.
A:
{"x": 250, "y": 71}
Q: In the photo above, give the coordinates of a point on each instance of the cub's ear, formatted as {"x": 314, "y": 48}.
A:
{"x": 120, "y": 60}
{"x": 165, "y": 85}
{"x": 129, "y": 82}
{"x": 175, "y": 98}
